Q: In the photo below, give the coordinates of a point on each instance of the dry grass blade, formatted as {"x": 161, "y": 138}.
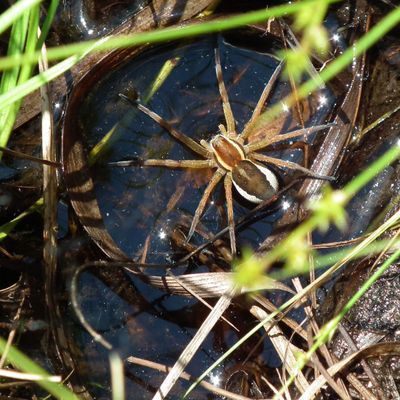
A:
{"x": 187, "y": 377}
{"x": 50, "y": 229}
{"x": 199, "y": 298}
{"x": 24, "y": 156}
{"x": 13, "y": 332}
{"x": 286, "y": 350}
{"x": 377, "y": 350}
{"x": 367, "y": 369}
{"x": 184, "y": 359}
{"x": 49, "y": 198}
{"x": 289, "y": 322}
{"x": 8, "y": 373}
{"x": 208, "y": 284}
{"x": 49, "y": 174}
{"x": 117, "y": 376}
{"x": 339, "y": 386}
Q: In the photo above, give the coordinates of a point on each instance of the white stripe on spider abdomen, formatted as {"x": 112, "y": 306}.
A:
{"x": 254, "y": 182}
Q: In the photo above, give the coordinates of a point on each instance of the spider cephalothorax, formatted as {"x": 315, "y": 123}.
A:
{"x": 232, "y": 155}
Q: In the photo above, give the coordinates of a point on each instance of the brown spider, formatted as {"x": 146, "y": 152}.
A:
{"x": 234, "y": 157}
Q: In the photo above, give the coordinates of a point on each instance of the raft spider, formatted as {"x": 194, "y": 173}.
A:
{"x": 234, "y": 157}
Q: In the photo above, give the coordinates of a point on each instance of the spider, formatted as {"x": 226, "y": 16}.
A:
{"x": 232, "y": 155}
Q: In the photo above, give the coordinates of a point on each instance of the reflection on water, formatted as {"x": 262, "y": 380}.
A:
{"x": 89, "y": 19}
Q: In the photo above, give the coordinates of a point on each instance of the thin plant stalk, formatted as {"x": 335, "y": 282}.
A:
{"x": 159, "y": 35}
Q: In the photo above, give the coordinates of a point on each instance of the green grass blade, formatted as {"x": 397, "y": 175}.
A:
{"x": 6, "y": 228}
{"x": 24, "y": 363}
{"x": 15, "y": 46}
{"x": 326, "y": 260}
{"x": 368, "y": 283}
{"x": 10, "y": 78}
{"x": 38, "y": 80}
{"x": 8, "y": 17}
{"x": 386, "y": 24}
{"x": 51, "y": 12}
{"x": 350, "y": 254}
{"x": 26, "y": 37}
{"x": 374, "y": 169}
{"x": 159, "y": 35}
{"x": 327, "y": 331}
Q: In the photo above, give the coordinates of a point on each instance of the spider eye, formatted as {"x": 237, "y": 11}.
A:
{"x": 254, "y": 182}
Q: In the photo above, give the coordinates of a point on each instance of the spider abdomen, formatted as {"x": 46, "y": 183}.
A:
{"x": 254, "y": 182}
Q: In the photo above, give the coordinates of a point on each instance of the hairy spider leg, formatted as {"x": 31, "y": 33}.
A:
{"x": 229, "y": 207}
{"x": 166, "y": 163}
{"x": 179, "y": 163}
{"x": 289, "y": 165}
{"x": 230, "y": 119}
{"x": 261, "y": 102}
{"x": 218, "y": 174}
{"x": 222, "y": 129}
{"x": 251, "y": 147}
{"x": 300, "y": 145}
{"x": 181, "y": 137}
{"x": 186, "y": 140}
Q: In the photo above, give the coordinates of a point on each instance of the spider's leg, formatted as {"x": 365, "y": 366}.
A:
{"x": 280, "y": 138}
{"x": 289, "y": 165}
{"x": 179, "y": 191}
{"x": 222, "y": 129}
{"x": 261, "y": 101}
{"x": 206, "y": 145}
{"x": 305, "y": 148}
{"x": 219, "y": 173}
{"x": 181, "y": 137}
{"x": 301, "y": 145}
{"x": 180, "y": 163}
{"x": 230, "y": 120}
{"x": 166, "y": 163}
{"x": 229, "y": 206}
{"x": 301, "y": 132}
